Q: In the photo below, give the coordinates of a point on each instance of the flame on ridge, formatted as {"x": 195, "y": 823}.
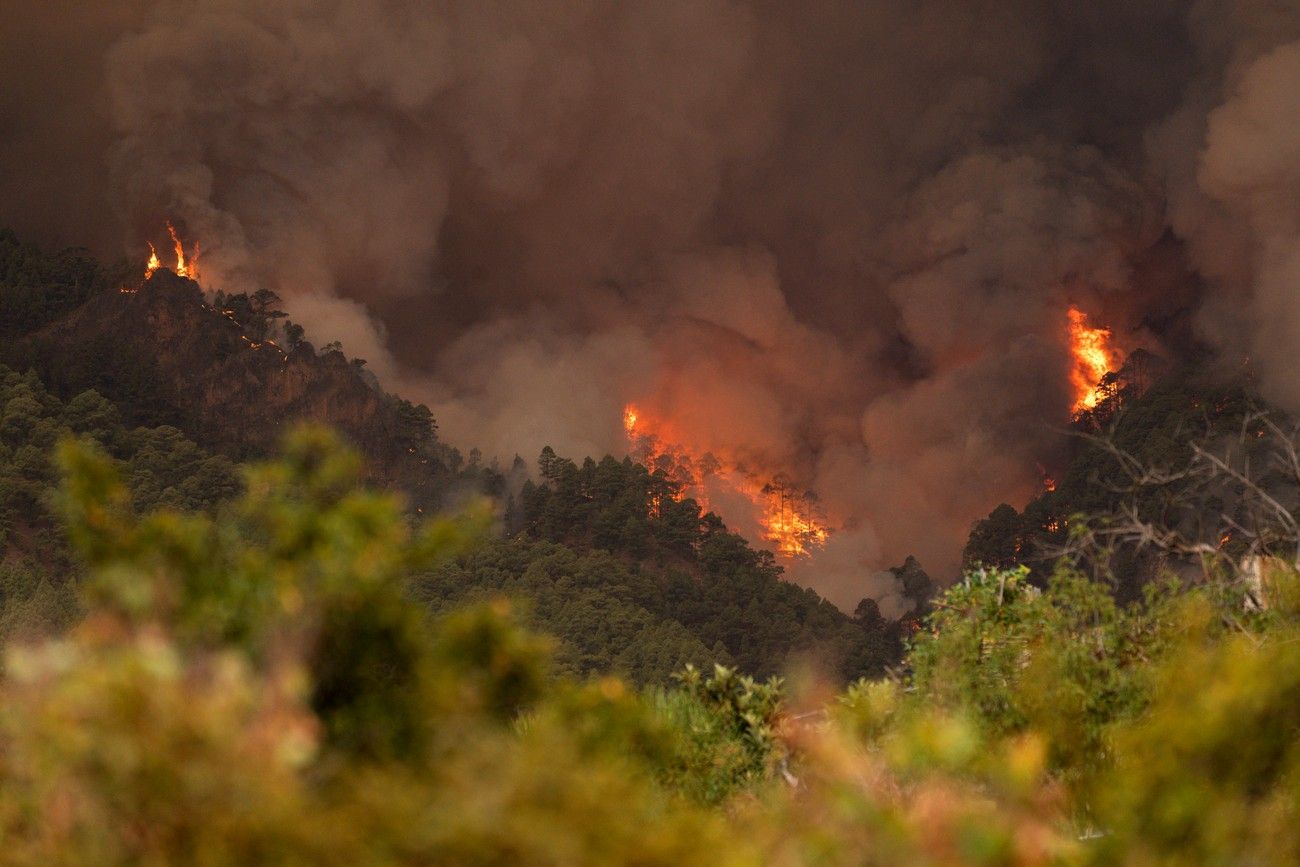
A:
{"x": 153, "y": 264}
{"x": 1094, "y": 357}
{"x": 190, "y": 270}
{"x": 788, "y": 517}
{"x": 184, "y": 268}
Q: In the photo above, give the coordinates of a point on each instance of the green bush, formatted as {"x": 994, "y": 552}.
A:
{"x": 255, "y": 685}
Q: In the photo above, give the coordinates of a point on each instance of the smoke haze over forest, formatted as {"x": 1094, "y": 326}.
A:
{"x": 832, "y": 240}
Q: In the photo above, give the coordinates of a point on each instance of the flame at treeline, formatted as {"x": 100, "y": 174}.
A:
{"x": 185, "y": 267}
{"x": 1094, "y": 357}
{"x": 788, "y": 518}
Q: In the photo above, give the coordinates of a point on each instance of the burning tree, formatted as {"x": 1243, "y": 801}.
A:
{"x": 1094, "y": 360}
{"x": 185, "y": 267}
{"x": 790, "y": 518}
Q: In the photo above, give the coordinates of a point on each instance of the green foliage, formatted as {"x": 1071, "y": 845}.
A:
{"x": 243, "y": 674}
{"x": 1213, "y": 770}
{"x": 689, "y": 569}
{"x": 256, "y": 685}
{"x": 630, "y": 578}
{"x": 602, "y": 611}
{"x": 300, "y": 707}
{"x": 32, "y": 605}
{"x": 1161, "y": 733}
{"x": 1066, "y": 663}
{"x": 712, "y": 762}
{"x": 36, "y": 288}
{"x": 749, "y": 708}
{"x": 1154, "y": 425}
{"x": 162, "y": 467}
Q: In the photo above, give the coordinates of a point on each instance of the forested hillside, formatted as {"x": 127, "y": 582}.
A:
{"x": 232, "y": 371}
{"x": 611, "y": 558}
{"x": 858, "y": 434}
{"x": 258, "y": 686}
{"x": 253, "y": 647}
{"x": 619, "y": 565}
{"x": 179, "y": 388}
{"x": 1162, "y": 474}
{"x": 162, "y": 468}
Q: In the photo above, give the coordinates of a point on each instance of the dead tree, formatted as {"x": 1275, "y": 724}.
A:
{"x": 1228, "y": 510}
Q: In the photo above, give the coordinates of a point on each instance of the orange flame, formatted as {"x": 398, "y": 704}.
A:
{"x": 153, "y": 264}
{"x": 190, "y": 270}
{"x": 184, "y": 268}
{"x": 787, "y": 517}
{"x": 1093, "y": 359}
{"x": 788, "y": 522}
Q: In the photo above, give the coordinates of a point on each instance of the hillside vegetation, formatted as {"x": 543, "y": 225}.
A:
{"x": 229, "y": 638}
{"x": 259, "y": 687}
{"x": 180, "y": 387}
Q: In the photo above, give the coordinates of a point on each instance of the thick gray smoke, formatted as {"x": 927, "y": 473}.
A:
{"x": 835, "y": 240}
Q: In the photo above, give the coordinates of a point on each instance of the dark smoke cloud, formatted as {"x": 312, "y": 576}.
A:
{"x": 835, "y": 240}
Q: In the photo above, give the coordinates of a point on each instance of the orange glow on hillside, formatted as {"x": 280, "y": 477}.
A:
{"x": 788, "y": 522}
{"x": 1094, "y": 357}
{"x": 787, "y": 517}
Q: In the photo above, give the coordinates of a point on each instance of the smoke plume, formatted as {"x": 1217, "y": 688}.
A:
{"x": 831, "y": 240}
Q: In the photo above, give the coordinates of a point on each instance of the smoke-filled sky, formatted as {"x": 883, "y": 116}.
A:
{"x": 831, "y": 239}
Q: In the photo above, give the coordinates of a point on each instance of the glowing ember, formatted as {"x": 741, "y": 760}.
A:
{"x": 153, "y": 264}
{"x": 1093, "y": 359}
{"x": 788, "y": 517}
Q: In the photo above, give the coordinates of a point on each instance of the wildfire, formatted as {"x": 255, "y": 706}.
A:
{"x": 787, "y": 517}
{"x": 788, "y": 523}
{"x": 153, "y": 264}
{"x": 184, "y": 268}
{"x": 1093, "y": 359}
{"x": 190, "y": 270}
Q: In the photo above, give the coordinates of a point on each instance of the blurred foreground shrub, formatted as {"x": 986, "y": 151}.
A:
{"x": 256, "y": 687}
